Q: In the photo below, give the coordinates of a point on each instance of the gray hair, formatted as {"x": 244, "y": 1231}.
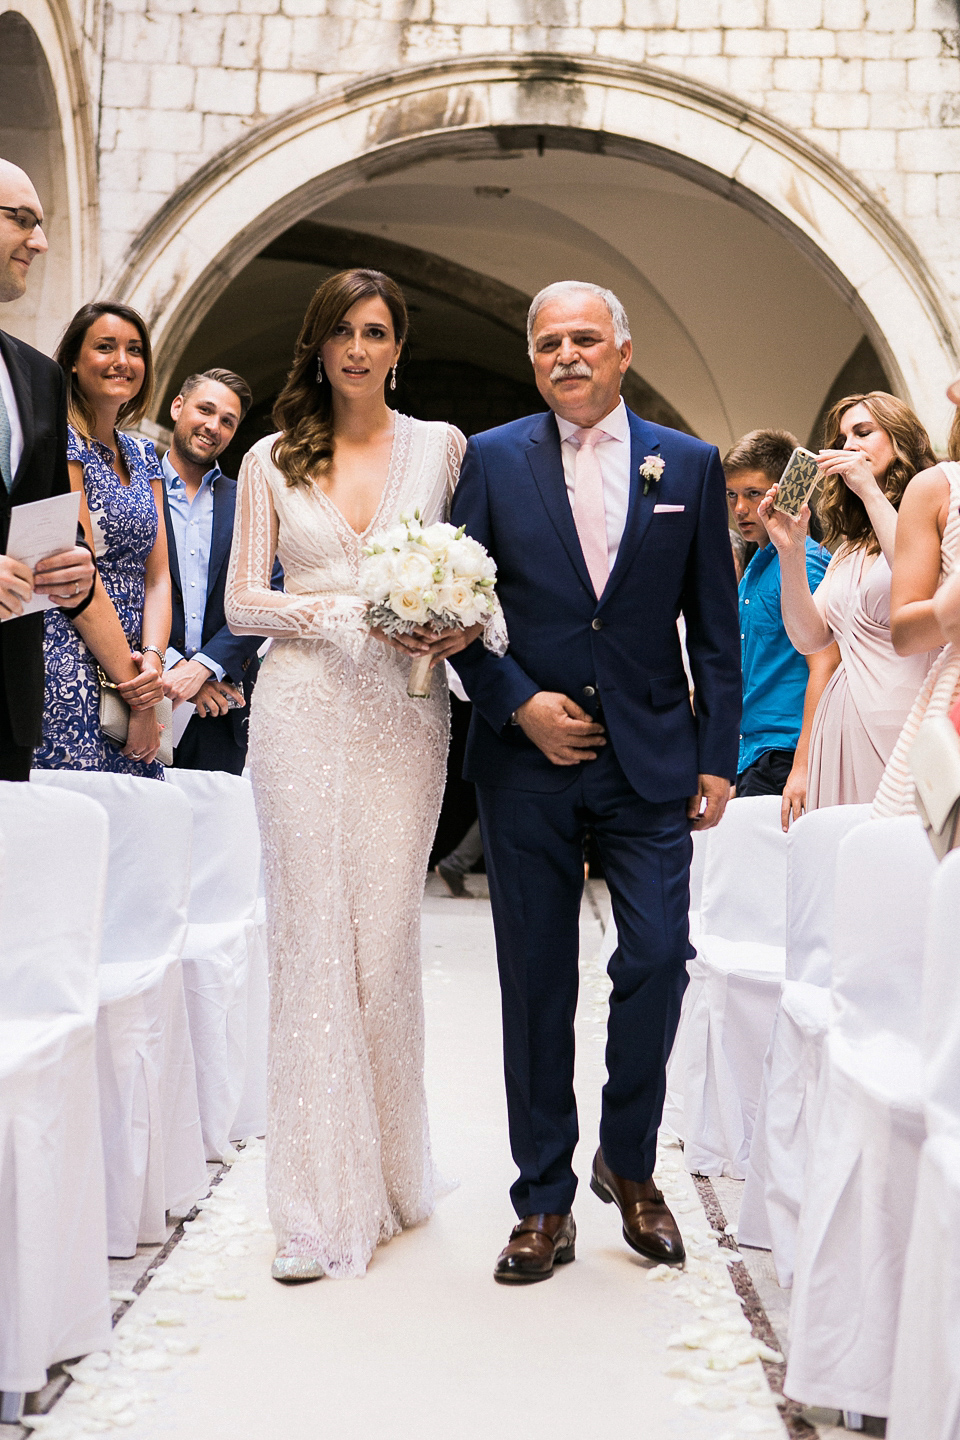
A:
{"x": 621, "y": 325}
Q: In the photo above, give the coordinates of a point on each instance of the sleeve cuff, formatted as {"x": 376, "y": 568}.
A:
{"x": 217, "y": 670}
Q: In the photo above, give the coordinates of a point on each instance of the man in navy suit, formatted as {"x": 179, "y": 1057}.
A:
{"x": 605, "y": 529}
{"x": 206, "y": 665}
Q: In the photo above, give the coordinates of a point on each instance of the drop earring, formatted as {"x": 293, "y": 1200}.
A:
{"x": 393, "y": 378}
{"x": 319, "y": 370}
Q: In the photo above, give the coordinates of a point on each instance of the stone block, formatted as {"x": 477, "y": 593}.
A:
{"x": 706, "y": 42}
{"x": 552, "y": 13}
{"x": 158, "y": 172}
{"x": 119, "y": 171}
{"x": 936, "y": 151}
{"x": 841, "y": 112}
{"x": 884, "y": 75}
{"x": 571, "y": 40}
{"x": 751, "y": 77}
{"x": 623, "y": 44}
{"x": 528, "y": 37}
{"x": 889, "y": 15}
{"x": 790, "y": 107}
{"x": 201, "y": 39}
{"x": 948, "y": 111}
{"x": 742, "y": 14}
{"x": 455, "y": 12}
{"x": 748, "y": 43}
{"x": 227, "y": 92}
{"x": 171, "y": 87}
{"x": 897, "y": 110}
{"x": 651, "y": 14}
{"x": 795, "y": 14}
{"x": 709, "y": 69}
{"x": 277, "y": 92}
{"x": 427, "y": 42}
{"x": 932, "y": 76}
{"x": 697, "y": 14}
{"x": 372, "y": 46}
{"x": 276, "y": 39}
{"x": 151, "y": 39}
{"x": 843, "y": 76}
{"x": 793, "y": 74}
{"x": 214, "y": 7}
{"x": 844, "y": 14}
{"x": 601, "y": 14}
{"x": 508, "y": 12}
{"x": 222, "y": 130}
{"x": 864, "y": 44}
{"x": 828, "y": 140}
{"x": 125, "y": 84}
{"x": 926, "y": 44}
{"x": 948, "y": 196}
{"x": 259, "y": 7}
{"x": 484, "y": 39}
{"x": 315, "y": 41}
{"x": 667, "y": 42}
{"x": 920, "y": 195}
{"x": 811, "y": 42}
{"x": 241, "y": 41}
{"x": 931, "y": 14}
{"x": 868, "y": 149}
{"x": 170, "y": 7}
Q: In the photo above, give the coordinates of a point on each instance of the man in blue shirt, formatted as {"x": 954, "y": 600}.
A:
{"x": 781, "y": 688}
{"x": 206, "y": 666}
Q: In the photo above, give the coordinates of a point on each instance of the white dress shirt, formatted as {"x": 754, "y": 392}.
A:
{"x": 13, "y": 414}
{"x": 614, "y": 458}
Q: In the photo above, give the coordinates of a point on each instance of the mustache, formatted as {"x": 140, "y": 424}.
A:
{"x": 579, "y": 370}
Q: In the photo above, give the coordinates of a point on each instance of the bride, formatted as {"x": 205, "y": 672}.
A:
{"x": 348, "y": 775}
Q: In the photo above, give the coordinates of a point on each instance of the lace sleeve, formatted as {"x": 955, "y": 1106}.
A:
{"x": 495, "y": 638}
{"x": 252, "y": 608}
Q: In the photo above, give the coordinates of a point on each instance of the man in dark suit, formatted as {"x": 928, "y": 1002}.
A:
{"x": 605, "y": 529}
{"x": 33, "y": 466}
{"x": 206, "y": 665}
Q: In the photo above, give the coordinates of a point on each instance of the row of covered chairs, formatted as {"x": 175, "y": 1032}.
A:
{"x": 818, "y": 1059}
{"x": 132, "y": 1033}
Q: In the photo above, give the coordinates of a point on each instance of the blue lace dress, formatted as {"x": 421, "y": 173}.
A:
{"x": 124, "y": 520}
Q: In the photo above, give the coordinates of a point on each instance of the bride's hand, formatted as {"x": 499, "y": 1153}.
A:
{"x": 450, "y": 642}
{"x": 412, "y": 645}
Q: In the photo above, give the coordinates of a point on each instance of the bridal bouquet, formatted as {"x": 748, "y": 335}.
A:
{"x": 429, "y": 575}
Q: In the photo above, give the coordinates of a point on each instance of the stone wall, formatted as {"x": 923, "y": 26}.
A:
{"x": 876, "y": 83}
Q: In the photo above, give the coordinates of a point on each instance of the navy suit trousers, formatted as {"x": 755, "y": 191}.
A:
{"x": 533, "y": 843}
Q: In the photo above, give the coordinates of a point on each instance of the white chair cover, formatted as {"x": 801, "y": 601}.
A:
{"x": 221, "y": 946}
{"x": 925, "y": 1390}
{"x": 734, "y": 984}
{"x": 153, "y": 1150}
{"x": 868, "y": 1127}
{"x": 54, "y": 1284}
{"x": 778, "y": 1152}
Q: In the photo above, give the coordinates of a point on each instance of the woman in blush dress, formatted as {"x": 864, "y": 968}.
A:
{"x": 348, "y": 774}
{"x": 105, "y": 355}
{"x": 925, "y": 604}
{"x": 875, "y": 445}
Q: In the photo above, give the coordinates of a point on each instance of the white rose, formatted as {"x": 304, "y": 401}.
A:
{"x": 409, "y": 605}
{"x": 458, "y": 599}
{"x": 414, "y": 571}
{"x": 438, "y": 536}
{"x": 469, "y": 560}
{"x": 376, "y": 577}
{"x": 392, "y": 538}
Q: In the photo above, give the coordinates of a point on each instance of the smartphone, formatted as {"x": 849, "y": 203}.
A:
{"x": 798, "y": 482}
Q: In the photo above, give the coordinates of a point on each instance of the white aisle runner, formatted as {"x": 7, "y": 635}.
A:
{"x": 427, "y": 1346}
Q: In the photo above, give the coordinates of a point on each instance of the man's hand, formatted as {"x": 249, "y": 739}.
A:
{"x": 184, "y": 680}
{"x": 211, "y": 698}
{"x": 66, "y": 576}
{"x": 794, "y": 796}
{"x": 559, "y": 728}
{"x": 16, "y": 587}
{"x": 715, "y": 791}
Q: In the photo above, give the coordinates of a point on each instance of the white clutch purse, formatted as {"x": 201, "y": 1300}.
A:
{"x": 935, "y": 765}
{"x": 115, "y": 719}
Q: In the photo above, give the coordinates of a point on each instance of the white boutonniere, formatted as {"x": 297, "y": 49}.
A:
{"x": 652, "y": 468}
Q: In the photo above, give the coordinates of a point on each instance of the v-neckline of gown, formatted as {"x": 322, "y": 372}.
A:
{"x": 357, "y": 537}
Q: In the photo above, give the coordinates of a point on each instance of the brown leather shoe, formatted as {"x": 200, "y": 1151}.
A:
{"x": 537, "y": 1244}
{"x": 648, "y": 1226}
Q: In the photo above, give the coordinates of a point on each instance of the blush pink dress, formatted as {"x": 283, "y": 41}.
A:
{"x": 864, "y": 707}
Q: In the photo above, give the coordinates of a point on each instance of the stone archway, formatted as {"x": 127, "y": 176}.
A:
{"x": 236, "y": 204}
{"x": 45, "y": 127}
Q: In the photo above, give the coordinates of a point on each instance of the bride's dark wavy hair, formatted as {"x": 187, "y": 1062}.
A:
{"x": 843, "y": 515}
{"x": 303, "y": 412}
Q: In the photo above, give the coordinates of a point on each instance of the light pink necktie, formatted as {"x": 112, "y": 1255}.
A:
{"x": 589, "y": 514}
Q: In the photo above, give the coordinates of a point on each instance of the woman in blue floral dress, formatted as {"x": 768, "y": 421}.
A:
{"x": 105, "y": 355}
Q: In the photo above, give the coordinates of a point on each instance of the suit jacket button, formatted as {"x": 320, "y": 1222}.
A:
{"x": 588, "y": 690}
{"x": 597, "y": 624}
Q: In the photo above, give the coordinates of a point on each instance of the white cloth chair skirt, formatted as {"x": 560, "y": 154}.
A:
{"x": 54, "y": 1284}
{"x": 925, "y": 1389}
{"x": 770, "y": 1207}
{"x": 735, "y": 985}
{"x": 153, "y": 1151}
{"x": 222, "y": 949}
{"x": 868, "y": 1127}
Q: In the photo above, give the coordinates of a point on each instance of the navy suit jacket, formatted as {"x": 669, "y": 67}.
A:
{"x": 236, "y": 653}
{"x": 621, "y": 652}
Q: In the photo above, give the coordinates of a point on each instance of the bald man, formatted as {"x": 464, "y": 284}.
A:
{"x": 33, "y": 466}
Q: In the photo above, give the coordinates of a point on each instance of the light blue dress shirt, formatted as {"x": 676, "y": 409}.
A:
{"x": 193, "y": 532}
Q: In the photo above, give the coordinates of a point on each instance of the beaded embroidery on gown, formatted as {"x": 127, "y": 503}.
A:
{"x": 348, "y": 775}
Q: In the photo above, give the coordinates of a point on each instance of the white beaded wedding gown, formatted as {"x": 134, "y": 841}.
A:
{"x": 348, "y": 776}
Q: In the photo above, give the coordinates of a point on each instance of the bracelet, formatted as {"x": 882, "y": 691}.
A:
{"x": 145, "y": 648}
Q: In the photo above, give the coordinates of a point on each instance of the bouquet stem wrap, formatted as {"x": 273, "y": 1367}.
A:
{"x": 418, "y": 685}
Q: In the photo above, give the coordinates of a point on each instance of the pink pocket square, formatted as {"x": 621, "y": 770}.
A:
{"x": 668, "y": 509}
